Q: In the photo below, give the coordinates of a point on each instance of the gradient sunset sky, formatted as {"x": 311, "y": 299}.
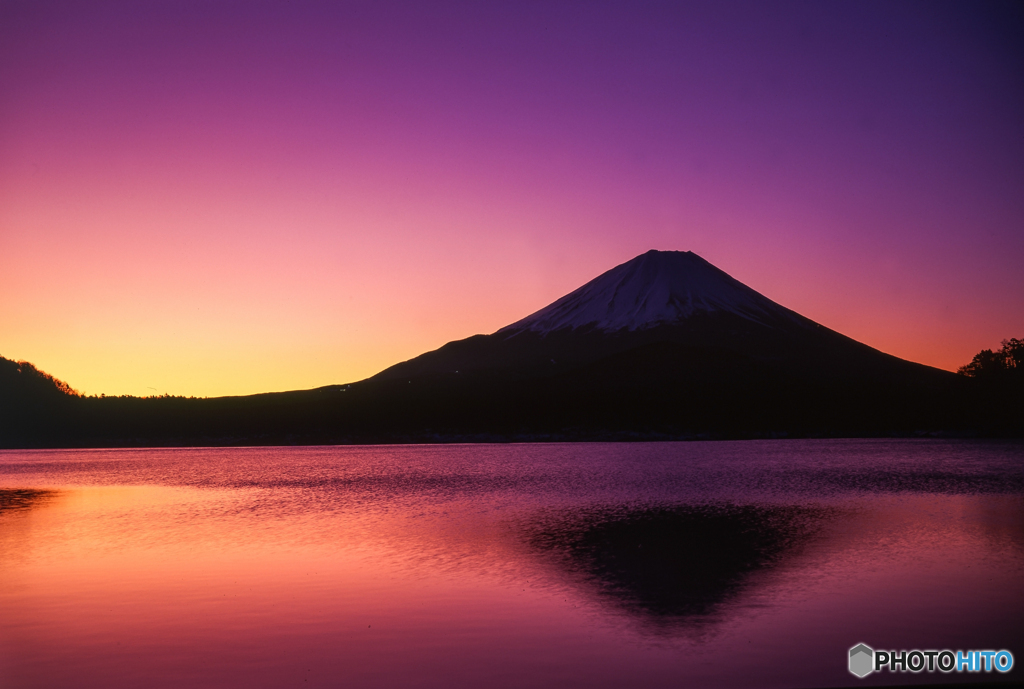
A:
{"x": 210, "y": 198}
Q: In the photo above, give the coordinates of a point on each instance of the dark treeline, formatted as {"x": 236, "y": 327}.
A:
{"x": 660, "y": 391}
{"x": 998, "y": 386}
{"x": 1005, "y": 367}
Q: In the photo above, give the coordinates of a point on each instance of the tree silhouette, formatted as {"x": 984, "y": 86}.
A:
{"x": 999, "y": 390}
{"x": 1006, "y": 364}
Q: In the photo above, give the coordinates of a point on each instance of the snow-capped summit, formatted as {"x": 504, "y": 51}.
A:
{"x": 669, "y": 339}
{"x": 655, "y": 288}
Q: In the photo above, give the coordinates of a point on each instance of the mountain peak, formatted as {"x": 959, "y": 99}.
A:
{"x": 655, "y": 288}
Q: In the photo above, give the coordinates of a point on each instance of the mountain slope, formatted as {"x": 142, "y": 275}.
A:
{"x": 660, "y": 296}
{"x": 664, "y": 343}
{"x": 662, "y": 346}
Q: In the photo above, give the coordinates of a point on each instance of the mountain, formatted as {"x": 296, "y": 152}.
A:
{"x": 668, "y": 343}
{"x": 665, "y": 345}
{"x": 656, "y": 288}
{"x": 659, "y": 298}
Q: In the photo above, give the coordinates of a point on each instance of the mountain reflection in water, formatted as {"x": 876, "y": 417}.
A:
{"x": 598, "y": 565}
{"x": 673, "y": 565}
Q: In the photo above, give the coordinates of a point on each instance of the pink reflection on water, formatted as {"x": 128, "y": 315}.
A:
{"x": 159, "y": 585}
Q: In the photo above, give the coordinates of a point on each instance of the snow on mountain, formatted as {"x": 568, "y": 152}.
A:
{"x": 655, "y": 288}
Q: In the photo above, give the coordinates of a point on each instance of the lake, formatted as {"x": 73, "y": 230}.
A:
{"x": 753, "y": 563}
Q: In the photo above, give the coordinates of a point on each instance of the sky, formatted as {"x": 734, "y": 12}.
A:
{"x": 219, "y": 198}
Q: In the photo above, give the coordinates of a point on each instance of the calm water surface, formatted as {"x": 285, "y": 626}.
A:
{"x": 589, "y": 565}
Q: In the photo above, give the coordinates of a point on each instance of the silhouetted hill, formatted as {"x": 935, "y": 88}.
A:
{"x": 20, "y": 382}
{"x": 663, "y": 346}
{"x": 31, "y": 401}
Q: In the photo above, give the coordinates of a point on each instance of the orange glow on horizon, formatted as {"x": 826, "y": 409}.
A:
{"x": 191, "y": 205}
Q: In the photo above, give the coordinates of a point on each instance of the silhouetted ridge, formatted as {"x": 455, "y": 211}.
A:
{"x": 663, "y": 346}
{"x": 21, "y": 380}
{"x": 33, "y": 404}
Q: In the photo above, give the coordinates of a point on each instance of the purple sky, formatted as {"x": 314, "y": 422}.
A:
{"x": 219, "y": 198}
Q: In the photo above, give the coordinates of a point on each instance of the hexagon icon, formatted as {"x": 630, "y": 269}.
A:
{"x": 862, "y": 659}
